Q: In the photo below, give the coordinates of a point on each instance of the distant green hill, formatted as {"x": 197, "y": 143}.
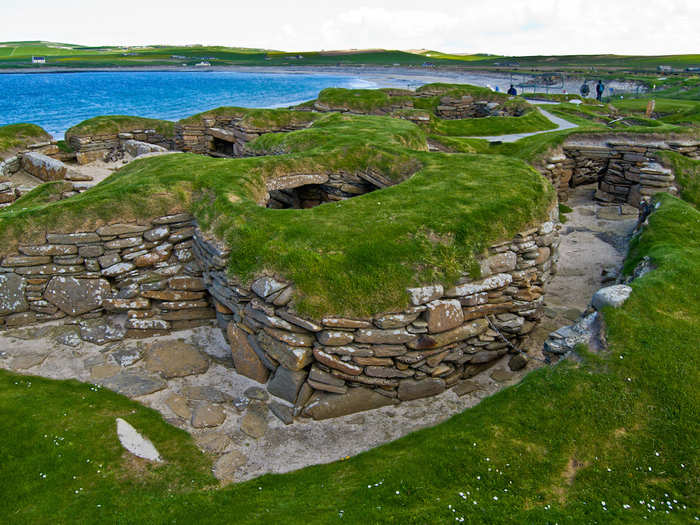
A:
{"x": 17, "y": 55}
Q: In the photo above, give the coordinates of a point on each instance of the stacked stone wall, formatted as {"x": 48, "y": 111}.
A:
{"x": 89, "y": 148}
{"x": 452, "y": 108}
{"x": 142, "y": 275}
{"x": 627, "y": 171}
{"x": 334, "y": 366}
{"x": 229, "y": 132}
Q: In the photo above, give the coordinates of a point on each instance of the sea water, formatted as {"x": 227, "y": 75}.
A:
{"x": 57, "y": 101}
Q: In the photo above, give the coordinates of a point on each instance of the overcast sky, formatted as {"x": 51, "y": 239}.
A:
{"x": 510, "y": 27}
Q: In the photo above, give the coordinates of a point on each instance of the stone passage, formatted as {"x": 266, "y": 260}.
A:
{"x": 626, "y": 170}
{"x": 335, "y": 366}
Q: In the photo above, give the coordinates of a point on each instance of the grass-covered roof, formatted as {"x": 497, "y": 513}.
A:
{"x": 351, "y": 257}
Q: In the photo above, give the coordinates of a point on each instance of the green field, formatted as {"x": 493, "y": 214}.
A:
{"x": 17, "y": 55}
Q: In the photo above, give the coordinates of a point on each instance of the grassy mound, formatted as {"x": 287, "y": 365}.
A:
{"x": 687, "y": 173}
{"x": 17, "y": 136}
{"x": 351, "y": 257}
{"x": 112, "y": 124}
{"x": 611, "y": 439}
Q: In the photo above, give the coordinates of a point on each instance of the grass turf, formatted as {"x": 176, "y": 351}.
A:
{"x": 610, "y": 439}
{"x": 15, "y": 136}
{"x": 112, "y": 124}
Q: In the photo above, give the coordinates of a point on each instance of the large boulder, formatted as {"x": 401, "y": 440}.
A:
{"x": 136, "y": 148}
{"x": 614, "y": 296}
{"x": 12, "y": 299}
{"x": 324, "y": 405}
{"x": 77, "y": 296}
{"x": 43, "y": 167}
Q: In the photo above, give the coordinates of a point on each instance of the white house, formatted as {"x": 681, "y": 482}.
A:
{"x": 38, "y": 60}
{"x": 203, "y": 63}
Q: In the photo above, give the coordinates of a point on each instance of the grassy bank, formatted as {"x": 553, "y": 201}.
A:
{"x": 610, "y": 439}
{"x": 17, "y": 136}
{"x": 112, "y": 124}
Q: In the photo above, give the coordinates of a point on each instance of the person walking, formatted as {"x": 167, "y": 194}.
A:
{"x": 512, "y": 91}
{"x": 599, "y": 88}
{"x": 585, "y": 90}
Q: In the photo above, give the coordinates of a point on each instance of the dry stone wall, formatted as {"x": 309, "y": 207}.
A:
{"x": 222, "y": 135}
{"x": 335, "y": 366}
{"x": 143, "y": 276}
{"x": 89, "y": 148}
{"x": 626, "y": 170}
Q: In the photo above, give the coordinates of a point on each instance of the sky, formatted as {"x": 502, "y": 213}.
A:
{"x": 504, "y": 27}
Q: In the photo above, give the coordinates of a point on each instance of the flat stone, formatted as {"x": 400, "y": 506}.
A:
{"x": 257, "y": 393}
{"x": 172, "y": 219}
{"x": 114, "y": 304}
{"x": 342, "y": 322}
{"x": 206, "y": 393}
{"x": 335, "y": 363}
{"x": 72, "y": 238}
{"x": 156, "y": 234}
{"x": 425, "y": 294}
{"x": 382, "y": 337}
{"x": 291, "y": 338}
{"x": 266, "y": 286}
{"x": 291, "y": 357}
{"x": 12, "y": 290}
{"x": 183, "y": 282}
{"x": 133, "y": 384}
{"x": 284, "y": 413}
{"x": 101, "y": 331}
{"x": 103, "y": 371}
{"x": 443, "y": 315}
{"x": 411, "y": 389}
{"x": 467, "y": 330}
{"x": 398, "y": 320}
{"x": 25, "y": 260}
{"x": 207, "y": 416}
{"x": 517, "y": 362}
{"x": 43, "y": 166}
{"x": 499, "y": 263}
{"x": 121, "y": 229}
{"x": 466, "y": 387}
{"x": 49, "y": 249}
{"x": 75, "y": 297}
{"x": 299, "y": 321}
{"x": 387, "y": 372}
{"x": 118, "y": 269}
{"x": 334, "y": 337}
{"x": 286, "y": 383}
{"x": 175, "y": 359}
{"x": 226, "y": 466}
{"x": 254, "y": 424}
{"x": 135, "y": 443}
{"x": 24, "y": 361}
{"x": 324, "y": 405}
{"x": 491, "y": 283}
{"x": 173, "y": 295}
{"x": 213, "y": 442}
{"x": 501, "y": 375}
{"x": 614, "y": 296}
{"x": 136, "y": 148}
{"x": 179, "y": 406}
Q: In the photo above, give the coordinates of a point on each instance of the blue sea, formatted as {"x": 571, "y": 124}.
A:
{"x": 57, "y": 101}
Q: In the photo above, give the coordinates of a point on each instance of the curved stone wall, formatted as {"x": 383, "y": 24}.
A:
{"x": 334, "y": 366}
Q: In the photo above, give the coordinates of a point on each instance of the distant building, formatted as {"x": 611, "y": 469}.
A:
{"x": 428, "y": 64}
{"x": 665, "y": 69}
{"x": 202, "y": 64}
{"x": 38, "y": 60}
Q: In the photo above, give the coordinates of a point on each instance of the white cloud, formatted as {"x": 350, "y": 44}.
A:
{"x": 504, "y": 27}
